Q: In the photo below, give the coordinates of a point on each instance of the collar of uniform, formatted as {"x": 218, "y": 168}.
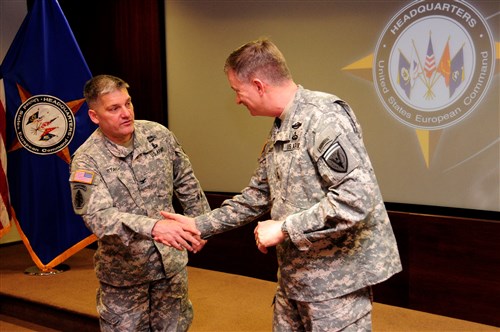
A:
{"x": 117, "y": 150}
{"x": 141, "y": 144}
{"x": 284, "y": 133}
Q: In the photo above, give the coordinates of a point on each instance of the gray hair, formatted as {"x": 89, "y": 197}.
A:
{"x": 100, "y": 85}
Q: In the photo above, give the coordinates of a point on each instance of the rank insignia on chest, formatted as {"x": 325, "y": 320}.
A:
{"x": 336, "y": 157}
{"x": 291, "y": 146}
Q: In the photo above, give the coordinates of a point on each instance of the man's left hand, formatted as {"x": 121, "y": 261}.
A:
{"x": 268, "y": 234}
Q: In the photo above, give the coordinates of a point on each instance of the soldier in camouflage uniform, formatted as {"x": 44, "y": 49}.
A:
{"x": 121, "y": 178}
{"x": 329, "y": 223}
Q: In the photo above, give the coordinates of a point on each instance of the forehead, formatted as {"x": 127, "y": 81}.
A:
{"x": 115, "y": 96}
{"x": 233, "y": 80}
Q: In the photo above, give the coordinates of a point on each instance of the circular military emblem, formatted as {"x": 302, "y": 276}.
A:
{"x": 433, "y": 63}
{"x": 44, "y": 124}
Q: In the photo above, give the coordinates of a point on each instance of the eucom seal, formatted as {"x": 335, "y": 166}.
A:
{"x": 433, "y": 63}
{"x": 44, "y": 124}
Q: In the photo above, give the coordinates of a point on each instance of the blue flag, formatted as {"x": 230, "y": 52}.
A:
{"x": 404, "y": 76}
{"x": 44, "y": 73}
{"x": 457, "y": 71}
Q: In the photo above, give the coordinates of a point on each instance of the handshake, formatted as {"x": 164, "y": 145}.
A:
{"x": 180, "y": 232}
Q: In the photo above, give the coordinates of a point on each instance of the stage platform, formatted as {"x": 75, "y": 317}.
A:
{"x": 222, "y": 301}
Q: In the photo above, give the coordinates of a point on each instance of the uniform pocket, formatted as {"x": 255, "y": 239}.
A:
{"x": 105, "y": 314}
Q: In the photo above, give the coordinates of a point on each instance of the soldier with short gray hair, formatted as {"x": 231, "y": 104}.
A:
{"x": 121, "y": 178}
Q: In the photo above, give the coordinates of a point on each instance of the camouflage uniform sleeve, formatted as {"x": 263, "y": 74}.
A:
{"x": 342, "y": 163}
{"x": 93, "y": 201}
{"x": 186, "y": 186}
{"x": 253, "y": 201}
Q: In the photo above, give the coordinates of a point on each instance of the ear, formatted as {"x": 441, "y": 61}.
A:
{"x": 259, "y": 85}
{"x": 93, "y": 116}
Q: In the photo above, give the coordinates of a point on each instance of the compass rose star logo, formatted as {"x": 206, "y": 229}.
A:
{"x": 430, "y": 69}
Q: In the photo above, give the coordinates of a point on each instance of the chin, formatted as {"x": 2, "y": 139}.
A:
{"x": 128, "y": 131}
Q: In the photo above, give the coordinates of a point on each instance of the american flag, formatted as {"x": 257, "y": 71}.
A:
{"x": 430, "y": 61}
{"x": 83, "y": 176}
{"x": 4, "y": 187}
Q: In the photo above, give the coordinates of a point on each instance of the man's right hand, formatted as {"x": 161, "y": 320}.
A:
{"x": 179, "y": 235}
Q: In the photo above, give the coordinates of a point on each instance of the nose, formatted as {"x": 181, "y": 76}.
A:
{"x": 125, "y": 111}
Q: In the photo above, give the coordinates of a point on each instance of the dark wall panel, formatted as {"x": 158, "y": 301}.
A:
{"x": 125, "y": 38}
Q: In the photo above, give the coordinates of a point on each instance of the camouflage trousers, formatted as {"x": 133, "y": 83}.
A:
{"x": 349, "y": 313}
{"x": 161, "y": 305}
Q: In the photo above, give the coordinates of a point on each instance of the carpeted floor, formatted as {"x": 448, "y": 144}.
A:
{"x": 222, "y": 301}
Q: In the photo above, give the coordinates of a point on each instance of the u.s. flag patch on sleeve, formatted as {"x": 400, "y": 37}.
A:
{"x": 83, "y": 176}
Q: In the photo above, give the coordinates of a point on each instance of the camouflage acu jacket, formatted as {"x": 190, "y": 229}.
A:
{"x": 120, "y": 198}
{"x": 315, "y": 174}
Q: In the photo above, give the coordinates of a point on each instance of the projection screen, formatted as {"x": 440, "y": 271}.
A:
{"x": 422, "y": 78}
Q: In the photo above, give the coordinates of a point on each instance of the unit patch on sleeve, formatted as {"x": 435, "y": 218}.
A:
{"x": 81, "y": 187}
{"x": 336, "y": 152}
{"x": 336, "y": 157}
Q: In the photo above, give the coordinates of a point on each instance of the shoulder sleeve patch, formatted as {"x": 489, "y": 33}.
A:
{"x": 336, "y": 157}
{"x": 337, "y": 152}
{"x": 83, "y": 176}
{"x": 339, "y": 156}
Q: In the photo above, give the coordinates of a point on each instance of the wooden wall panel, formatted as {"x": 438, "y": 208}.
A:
{"x": 125, "y": 38}
{"x": 454, "y": 266}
